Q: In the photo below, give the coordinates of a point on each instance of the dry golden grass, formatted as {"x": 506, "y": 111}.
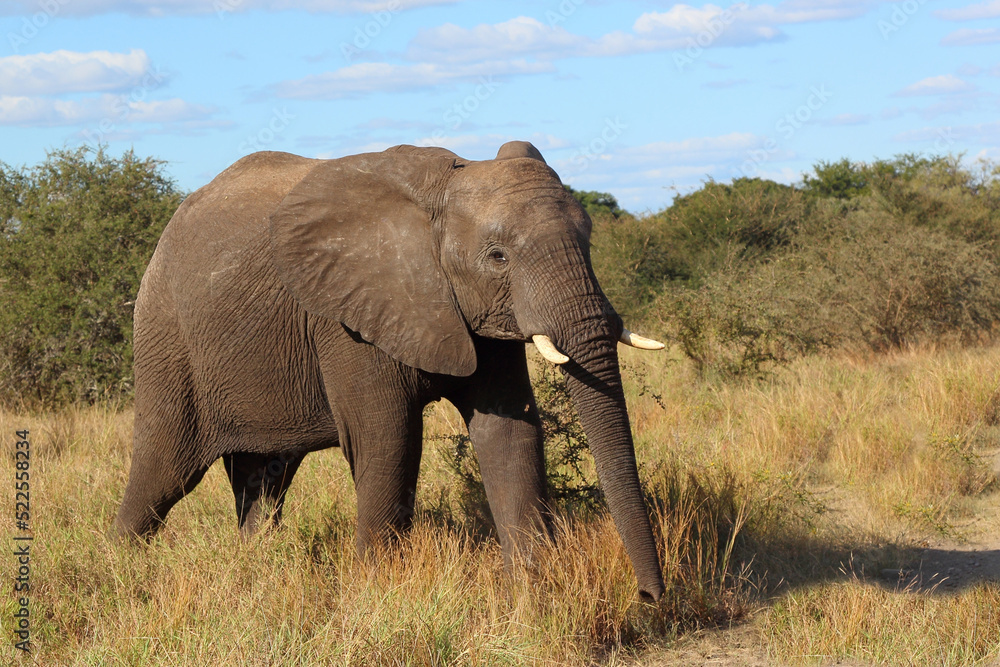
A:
{"x": 761, "y": 492}
{"x": 861, "y": 622}
{"x": 200, "y": 595}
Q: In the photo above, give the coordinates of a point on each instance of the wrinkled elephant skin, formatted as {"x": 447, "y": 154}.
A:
{"x": 296, "y": 304}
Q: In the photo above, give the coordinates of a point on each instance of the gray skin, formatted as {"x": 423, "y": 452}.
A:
{"x": 295, "y": 304}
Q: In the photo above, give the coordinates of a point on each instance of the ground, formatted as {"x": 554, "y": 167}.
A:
{"x": 943, "y": 566}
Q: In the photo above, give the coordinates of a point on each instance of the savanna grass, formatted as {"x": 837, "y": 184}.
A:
{"x": 758, "y": 489}
{"x": 198, "y": 594}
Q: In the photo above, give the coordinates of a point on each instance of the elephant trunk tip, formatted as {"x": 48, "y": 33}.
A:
{"x": 652, "y": 593}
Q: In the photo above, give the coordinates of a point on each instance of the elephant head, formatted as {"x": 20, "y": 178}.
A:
{"x": 418, "y": 251}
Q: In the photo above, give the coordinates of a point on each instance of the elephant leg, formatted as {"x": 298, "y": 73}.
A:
{"x": 166, "y": 463}
{"x": 498, "y": 406}
{"x": 259, "y": 485}
{"x": 378, "y": 406}
{"x": 155, "y": 483}
{"x": 384, "y": 456}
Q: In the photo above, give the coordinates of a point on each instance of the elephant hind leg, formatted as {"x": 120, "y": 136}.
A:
{"x": 151, "y": 492}
{"x": 168, "y": 460}
{"x": 259, "y": 485}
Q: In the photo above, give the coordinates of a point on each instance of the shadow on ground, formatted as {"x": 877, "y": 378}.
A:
{"x": 945, "y": 570}
{"x": 938, "y": 570}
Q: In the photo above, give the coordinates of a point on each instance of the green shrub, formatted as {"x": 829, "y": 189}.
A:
{"x": 77, "y": 233}
{"x": 857, "y": 277}
{"x": 882, "y": 282}
{"x": 637, "y": 259}
{"x": 742, "y": 322}
{"x": 598, "y": 204}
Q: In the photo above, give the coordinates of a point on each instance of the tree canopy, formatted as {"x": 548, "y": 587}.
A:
{"x": 76, "y": 233}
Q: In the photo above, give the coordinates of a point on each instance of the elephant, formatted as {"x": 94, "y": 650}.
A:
{"x": 296, "y": 304}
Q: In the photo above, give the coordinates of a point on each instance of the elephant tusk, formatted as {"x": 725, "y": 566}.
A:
{"x": 641, "y": 342}
{"x": 548, "y": 349}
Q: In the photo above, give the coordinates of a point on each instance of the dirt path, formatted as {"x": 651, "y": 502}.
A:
{"x": 716, "y": 648}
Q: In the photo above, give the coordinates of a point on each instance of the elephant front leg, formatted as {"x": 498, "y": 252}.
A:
{"x": 384, "y": 456}
{"x": 512, "y": 462}
{"x": 499, "y": 409}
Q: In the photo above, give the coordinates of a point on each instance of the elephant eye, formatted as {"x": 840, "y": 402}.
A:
{"x": 498, "y": 256}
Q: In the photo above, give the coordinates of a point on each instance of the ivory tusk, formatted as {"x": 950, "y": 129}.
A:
{"x": 548, "y": 349}
{"x": 641, "y": 342}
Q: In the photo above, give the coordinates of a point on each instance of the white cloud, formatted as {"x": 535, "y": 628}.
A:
{"x": 983, "y": 10}
{"x": 111, "y": 110}
{"x": 802, "y": 11}
{"x": 70, "y": 72}
{"x": 683, "y": 26}
{"x": 970, "y": 37}
{"x": 158, "y": 8}
{"x": 937, "y": 85}
{"x": 946, "y": 137}
{"x": 680, "y": 27}
{"x": 519, "y": 36}
{"x": 848, "y": 119}
{"x": 652, "y": 169}
{"x": 968, "y": 69}
{"x": 699, "y": 150}
{"x": 363, "y": 78}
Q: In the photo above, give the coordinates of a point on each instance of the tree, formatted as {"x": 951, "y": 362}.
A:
{"x": 842, "y": 179}
{"x": 597, "y": 204}
{"x": 76, "y": 233}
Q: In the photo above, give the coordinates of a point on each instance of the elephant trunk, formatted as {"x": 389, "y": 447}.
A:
{"x": 578, "y": 322}
{"x": 594, "y": 382}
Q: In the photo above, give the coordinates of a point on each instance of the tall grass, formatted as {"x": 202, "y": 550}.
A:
{"x": 760, "y": 492}
{"x": 198, "y": 594}
{"x": 856, "y": 621}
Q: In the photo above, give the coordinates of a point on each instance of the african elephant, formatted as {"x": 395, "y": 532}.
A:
{"x": 295, "y": 304}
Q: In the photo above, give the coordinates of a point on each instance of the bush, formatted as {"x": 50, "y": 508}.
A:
{"x": 597, "y": 204}
{"x": 77, "y": 233}
{"x": 877, "y": 256}
{"x": 741, "y": 323}
{"x": 886, "y": 284}
{"x": 856, "y": 278}
{"x": 702, "y": 232}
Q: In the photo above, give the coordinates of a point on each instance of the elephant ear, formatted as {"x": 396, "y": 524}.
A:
{"x": 513, "y": 149}
{"x": 353, "y": 241}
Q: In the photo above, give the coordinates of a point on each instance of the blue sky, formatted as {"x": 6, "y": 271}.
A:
{"x": 642, "y": 99}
